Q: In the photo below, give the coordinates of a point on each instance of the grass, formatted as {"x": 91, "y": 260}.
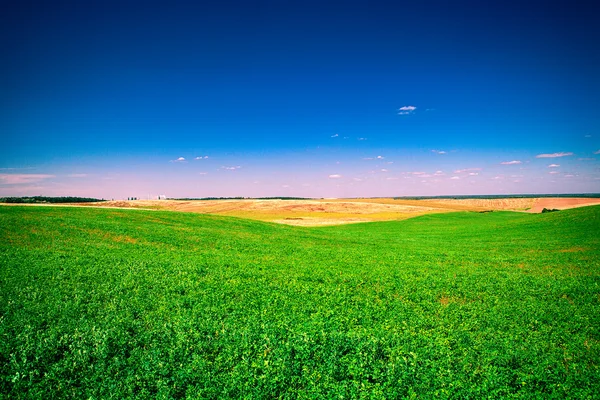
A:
{"x": 99, "y": 303}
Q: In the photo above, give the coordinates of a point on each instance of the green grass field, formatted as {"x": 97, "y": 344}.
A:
{"x": 99, "y": 303}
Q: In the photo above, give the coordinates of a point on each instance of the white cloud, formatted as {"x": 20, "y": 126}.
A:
{"x": 455, "y": 178}
{"x": 77, "y": 175}
{"x": 380, "y": 157}
{"x": 384, "y": 170}
{"x": 438, "y": 151}
{"x": 554, "y": 155}
{"x": 473, "y": 173}
{"x": 391, "y": 179}
{"x": 202, "y": 173}
{"x": 335, "y": 135}
{"x": 460, "y": 171}
{"x": 514, "y": 162}
{"x": 232, "y": 168}
{"x": 362, "y": 138}
{"x": 553, "y": 165}
{"x": 23, "y": 179}
{"x": 597, "y": 152}
{"x": 357, "y": 179}
{"x": 406, "y": 110}
{"x": 438, "y": 173}
{"x": 335, "y": 176}
{"x": 200, "y": 158}
{"x": 554, "y": 172}
{"x": 180, "y": 159}
{"x": 569, "y": 176}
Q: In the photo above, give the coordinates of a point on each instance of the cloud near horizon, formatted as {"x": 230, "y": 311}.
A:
{"x": 554, "y": 155}
{"x": 553, "y": 165}
{"x": 180, "y": 159}
{"x": 514, "y": 162}
{"x": 335, "y": 176}
{"x": 23, "y": 179}
{"x": 439, "y": 151}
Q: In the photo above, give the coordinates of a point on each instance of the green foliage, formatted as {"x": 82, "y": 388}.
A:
{"x": 99, "y": 303}
{"x": 547, "y": 210}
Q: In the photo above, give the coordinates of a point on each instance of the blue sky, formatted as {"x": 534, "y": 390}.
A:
{"x": 316, "y": 99}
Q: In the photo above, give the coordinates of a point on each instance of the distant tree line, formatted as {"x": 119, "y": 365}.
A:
{"x": 44, "y": 199}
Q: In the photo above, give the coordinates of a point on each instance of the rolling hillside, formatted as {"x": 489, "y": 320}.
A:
{"x": 107, "y": 303}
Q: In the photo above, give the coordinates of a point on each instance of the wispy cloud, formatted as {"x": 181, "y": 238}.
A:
{"x": 362, "y": 138}
{"x": 406, "y": 110}
{"x": 597, "y": 152}
{"x": 202, "y": 173}
{"x": 380, "y": 157}
{"x": 554, "y": 155}
{"x": 439, "y": 151}
{"x": 553, "y": 165}
{"x": 473, "y": 173}
{"x": 514, "y": 162}
{"x": 460, "y": 171}
{"x": 200, "y": 158}
{"x": 23, "y": 179}
{"x": 554, "y": 172}
{"x": 231, "y": 168}
{"x": 455, "y": 178}
{"x": 77, "y": 175}
{"x": 180, "y": 159}
{"x": 336, "y": 135}
{"x": 335, "y": 176}
{"x": 384, "y": 170}
{"x": 368, "y": 158}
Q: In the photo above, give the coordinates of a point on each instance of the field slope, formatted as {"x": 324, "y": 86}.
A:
{"x": 108, "y": 303}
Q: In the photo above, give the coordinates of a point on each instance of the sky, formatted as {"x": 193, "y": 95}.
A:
{"x": 118, "y": 99}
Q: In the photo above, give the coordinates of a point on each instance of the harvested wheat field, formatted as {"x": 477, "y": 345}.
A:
{"x": 343, "y": 211}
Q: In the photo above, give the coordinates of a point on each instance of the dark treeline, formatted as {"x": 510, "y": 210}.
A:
{"x": 44, "y": 199}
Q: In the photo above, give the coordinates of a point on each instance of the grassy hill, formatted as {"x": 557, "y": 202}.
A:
{"x": 99, "y": 303}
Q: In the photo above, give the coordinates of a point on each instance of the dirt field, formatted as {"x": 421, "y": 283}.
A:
{"x": 344, "y": 211}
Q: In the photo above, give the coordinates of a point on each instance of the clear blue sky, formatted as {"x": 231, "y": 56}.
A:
{"x": 326, "y": 99}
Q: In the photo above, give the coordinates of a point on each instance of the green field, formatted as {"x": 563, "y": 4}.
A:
{"x": 99, "y": 303}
